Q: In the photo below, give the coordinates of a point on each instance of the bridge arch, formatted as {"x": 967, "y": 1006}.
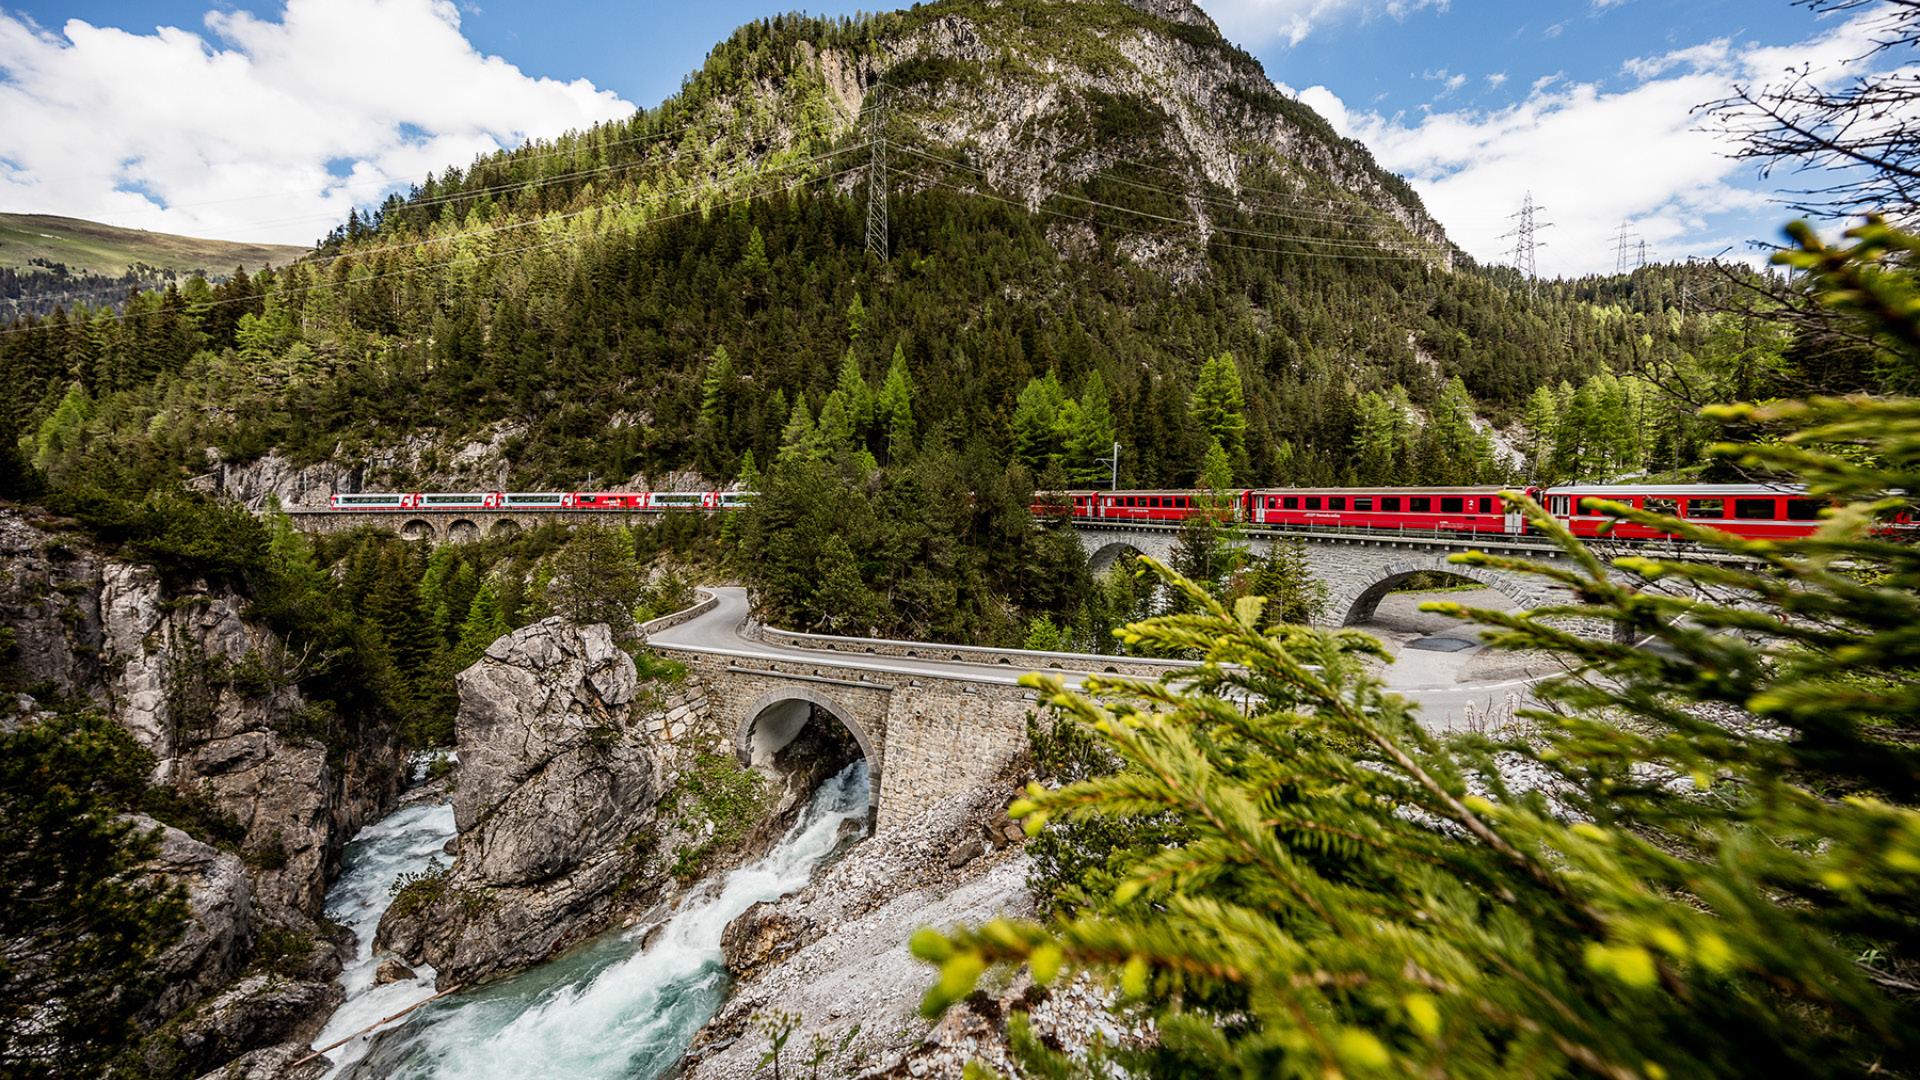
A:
{"x": 1107, "y": 554}
{"x": 774, "y": 719}
{"x": 1357, "y": 606}
{"x": 504, "y": 526}
{"x": 462, "y": 531}
{"x": 417, "y": 529}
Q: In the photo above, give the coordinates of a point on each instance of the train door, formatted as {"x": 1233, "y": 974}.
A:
{"x": 1514, "y": 523}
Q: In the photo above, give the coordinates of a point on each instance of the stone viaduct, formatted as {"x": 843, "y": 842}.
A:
{"x": 454, "y": 526}
{"x": 1358, "y": 568}
{"x": 932, "y": 720}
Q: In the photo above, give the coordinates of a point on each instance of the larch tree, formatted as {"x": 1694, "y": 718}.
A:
{"x": 1220, "y": 408}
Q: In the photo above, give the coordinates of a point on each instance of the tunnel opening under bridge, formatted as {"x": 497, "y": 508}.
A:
{"x": 802, "y": 737}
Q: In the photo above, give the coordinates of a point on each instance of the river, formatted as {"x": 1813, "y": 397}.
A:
{"x": 609, "y": 1009}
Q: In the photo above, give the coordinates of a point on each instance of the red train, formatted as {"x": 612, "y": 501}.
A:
{"x": 1750, "y": 510}
{"x": 540, "y": 500}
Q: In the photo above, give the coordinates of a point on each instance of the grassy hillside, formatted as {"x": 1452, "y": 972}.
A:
{"x": 91, "y": 247}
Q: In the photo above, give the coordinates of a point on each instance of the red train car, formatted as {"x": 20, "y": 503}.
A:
{"x": 1434, "y": 509}
{"x": 1147, "y": 506}
{"x": 1755, "y": 511}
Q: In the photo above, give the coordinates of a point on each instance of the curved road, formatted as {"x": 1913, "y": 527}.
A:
{"x": 720, "y": 632}
{"x": 1426, "y": 679}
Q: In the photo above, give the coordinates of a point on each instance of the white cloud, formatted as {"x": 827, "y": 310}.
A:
{"x": 1258, "y": 22}
{"x": 1496, "y": 80}
{"x": 1592, "y": 156}
{"x": 260, "y": 130}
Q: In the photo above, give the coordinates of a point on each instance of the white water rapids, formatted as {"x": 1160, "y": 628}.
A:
{"x": 608, "y": 1009}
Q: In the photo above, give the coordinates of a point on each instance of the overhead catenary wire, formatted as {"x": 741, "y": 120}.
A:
{"x": 1186, "y": 222}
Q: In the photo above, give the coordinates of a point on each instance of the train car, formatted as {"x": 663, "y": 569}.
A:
{"x": 683, "y": 500}
{"x": 737, "y": 500}
{"x": 1425, "y": 510}
{"x": 605, "y": 500}
{"x": 370, "y": 500}
{"x": 1142, "y": 506}
{"x": 1754, "y": 511}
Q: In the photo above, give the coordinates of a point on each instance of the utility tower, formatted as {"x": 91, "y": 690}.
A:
{"x": 1525, "y": 246}
{"x": 877, "y": 173}
{"x": 1643, "y": 255}
{"x": 1622, "y": 246}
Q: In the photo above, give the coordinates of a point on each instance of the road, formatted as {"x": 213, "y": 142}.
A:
{"x": 1448, "y": 686}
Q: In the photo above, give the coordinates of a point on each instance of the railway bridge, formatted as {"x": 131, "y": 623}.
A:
{"x": 933, "y": 721}
{"x": 1358, "y": 567}
{"x": 454, "y": 526}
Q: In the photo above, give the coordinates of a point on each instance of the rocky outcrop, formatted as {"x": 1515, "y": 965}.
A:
{"x": 219, "y": 929}
{"x": 214, "y": 696}
{"x": 558, "y": 779}
{"x": 422, "y": 460}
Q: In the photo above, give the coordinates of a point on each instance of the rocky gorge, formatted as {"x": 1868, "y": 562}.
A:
{"x": 260, "y": 806}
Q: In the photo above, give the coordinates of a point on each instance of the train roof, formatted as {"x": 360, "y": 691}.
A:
{"x": 1708, "y": 490}
{"x": 1465, "y": 489}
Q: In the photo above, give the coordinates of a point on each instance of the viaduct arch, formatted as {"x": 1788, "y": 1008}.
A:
{"x": 769, "y": 724}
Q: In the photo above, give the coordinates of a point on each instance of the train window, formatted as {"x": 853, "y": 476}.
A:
{"x": 1450, "y": 504}
{"x": 1361, "y": 503}
{"x": 1706, "y": 508}
{"x": 1390, "y": 504}
{"x": 1420, "y": 504}
{"x": 1669, "y": 507}
{"x": 1313, "y": 502}
{"x": 1291, "y": 502}
{"x": 1803, "y": 510}
{"x": 1338, "y": 502}
{"x": 1486, "y": 506}
{"x": 1753, "y": 509}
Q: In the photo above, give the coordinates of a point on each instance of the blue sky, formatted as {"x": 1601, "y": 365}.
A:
{"x": 268, "y": 119}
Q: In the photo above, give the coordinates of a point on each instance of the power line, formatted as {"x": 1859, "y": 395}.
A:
{"x": 1369, "y": 245}
{"x": 877, "y": 174}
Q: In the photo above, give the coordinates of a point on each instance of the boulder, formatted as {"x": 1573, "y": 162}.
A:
{"x": 762, "y": 935}
{"x": 392, "y": 970}
{"x": 218, "y": 932}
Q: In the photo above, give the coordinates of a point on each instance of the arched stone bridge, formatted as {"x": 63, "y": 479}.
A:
{"x": 458, "y": 526}
{"x": 933, "y": 720}
{"x": 1358, "y": 569}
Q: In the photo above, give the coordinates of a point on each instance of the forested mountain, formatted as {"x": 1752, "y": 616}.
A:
{"x": 49, "y": 262}
{"x": 1104, "y": 224}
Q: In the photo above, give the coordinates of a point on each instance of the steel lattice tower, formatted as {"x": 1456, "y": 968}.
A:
{"x": 877, "y": 175}
{"x": 1623, "y": 248}
{"x": 1525, "y": 245}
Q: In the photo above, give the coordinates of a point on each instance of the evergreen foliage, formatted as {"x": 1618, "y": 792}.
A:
{"x": 1696, "y": 859}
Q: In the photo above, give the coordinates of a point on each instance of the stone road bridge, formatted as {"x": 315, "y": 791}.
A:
{"x": 932, "y": 720}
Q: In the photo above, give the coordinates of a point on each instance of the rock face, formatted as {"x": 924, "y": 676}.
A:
{"x": 219, "y": 928}
{"x": 214, "y": 696}
{"x": 554, "y": 799}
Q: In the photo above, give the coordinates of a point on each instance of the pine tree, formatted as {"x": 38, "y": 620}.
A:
{"x": 486, "y": 623}
{"x": 1543, "y": 425}
{"x": 799, "y": 440}
{"x": 1375, "y": 439}
{"x": 856, "y": 394}
{"x": 62, "y": 434}
{"x": 1086, "y": 432}
{"x": 1219, "y": 407}
{"x": 1036, "y": 421}
{"x": 894, "y": 407}
{"x": 713, "y": 432}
